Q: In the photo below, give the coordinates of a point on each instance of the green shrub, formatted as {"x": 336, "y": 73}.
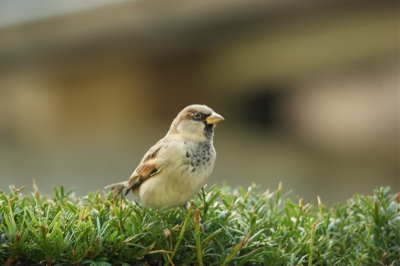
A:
{"x": 221, "y": 227}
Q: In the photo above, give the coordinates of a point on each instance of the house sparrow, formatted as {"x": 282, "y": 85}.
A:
{"x": 178, "y": 165}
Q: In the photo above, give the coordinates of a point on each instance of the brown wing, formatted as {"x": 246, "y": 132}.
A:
{"x": 146, "y": 169}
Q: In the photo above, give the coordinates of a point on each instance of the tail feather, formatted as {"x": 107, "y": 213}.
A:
{"x": 127, "y": 191}
{"x": 117, "y": 185}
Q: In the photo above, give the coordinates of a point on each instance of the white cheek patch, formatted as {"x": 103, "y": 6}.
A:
{"x": 192, "y": 130}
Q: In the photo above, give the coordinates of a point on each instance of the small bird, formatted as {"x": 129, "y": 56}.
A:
{"x": 178, "y": 165}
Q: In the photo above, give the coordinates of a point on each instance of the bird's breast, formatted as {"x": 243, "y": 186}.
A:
{"x": 199, "y": 159}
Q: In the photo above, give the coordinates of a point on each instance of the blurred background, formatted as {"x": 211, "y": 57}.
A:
{"x": 308, "y": 90}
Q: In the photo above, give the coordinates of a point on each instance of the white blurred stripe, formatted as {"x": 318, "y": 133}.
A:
{"x": 20, "y": 11}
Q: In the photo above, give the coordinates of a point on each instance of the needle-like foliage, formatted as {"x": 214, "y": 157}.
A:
{"x": 220, "y": 227}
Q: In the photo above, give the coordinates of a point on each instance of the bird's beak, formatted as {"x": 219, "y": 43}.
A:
{"x": 214, "y": 118}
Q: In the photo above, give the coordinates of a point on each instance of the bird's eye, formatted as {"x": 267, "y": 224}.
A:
{"x": 197, "y": 115}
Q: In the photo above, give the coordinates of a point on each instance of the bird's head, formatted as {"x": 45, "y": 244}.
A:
{"x": 195, "y": 123}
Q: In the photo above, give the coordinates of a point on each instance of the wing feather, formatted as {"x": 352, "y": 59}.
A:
{"x": 146, "y": 169}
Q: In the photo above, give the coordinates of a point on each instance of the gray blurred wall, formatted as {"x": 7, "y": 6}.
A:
{"x": 309, "y": 91}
